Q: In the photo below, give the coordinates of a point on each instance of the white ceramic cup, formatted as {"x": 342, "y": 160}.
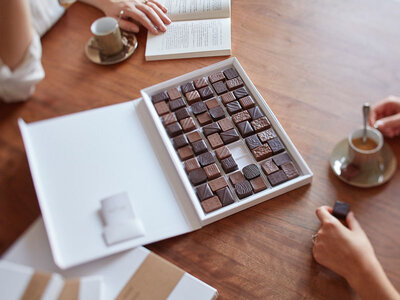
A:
{"x": 107, "y": 36}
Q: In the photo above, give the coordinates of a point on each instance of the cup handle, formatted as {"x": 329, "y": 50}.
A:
{"x": 94, "y": 45}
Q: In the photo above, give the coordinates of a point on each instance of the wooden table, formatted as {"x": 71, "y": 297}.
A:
{"x": 315, "y": 62}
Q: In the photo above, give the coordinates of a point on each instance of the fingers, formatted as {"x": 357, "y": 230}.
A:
{"x": 324, "y": 214}
{"x": 160, "y": 6}
{"x": 128, "y": 26}
{"x": 151, "y": 14}
{"x": 352, "y": 222}
{"x": 160, "y": 13}
{"x": 142, "y": 18}
{"x": 386, "y": 107}
{"x": 389, "y": 126}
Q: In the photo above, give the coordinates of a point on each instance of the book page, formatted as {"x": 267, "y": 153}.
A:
{"x": 179, "y": 10}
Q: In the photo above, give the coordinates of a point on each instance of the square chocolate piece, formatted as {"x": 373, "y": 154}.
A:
{"x": 276, "y": 145}
{"x": 212, "y": 171}
{"x": 204, "y": 192}
{"x": 255, "y": 113}
{"x": 229, "y": 136}
{"x": 211, "y": 204}
{"x": 251, "y": 171}
{"x": 262, "y": 152}
{"x": 212, "y": 103}
{"x": 240, "y": 93}
{"x": 192, "y": 97}
{"x": 218, "y": 184}
{"x": 176, "y": 104}
{"x": 168, "y": 119}
{"x": 220, "y": 87}
{"x": 217, "y": 113}
{"x": 191, "y": 164}
{"x": 340, "y": 210}
{"x": 197, "y": 176}
{"x": 159, "y": 97}
{"x": 205, "y": 159}
{"x": 161, "y": 108}
{"x": 247, "y": 102}
{"x": 227, "y": 97}
{"x": 185, "y": 153}
{"x": 241, "y": 117}
{"x": 204, "y": 118}
{"x": 206, "y": 93}
{"x": 174, "y": 129}
{"x": 269, "y": 167}
{"x": 225, "y": 124}
{"x": 187, "y": 124}
{"x": 187, "y": 87}
{"x": 234, "y": 83}
{"x": 236, "y": 177}
{"x": 231, "y": 73}
{"x": 182, "y": 113}
{"x": 258, "y": 184}
{"x": 281, "y": 159}
{"x": 253, "y": 142}
{"x": 215, "y": 140}
{"x": 225, "y": 196}
{"x": 277, "y": 178}
{"x": 267, "y": 135}
{"x": 211, "y": 128}
{"x": 222, "y": 153}
{"x": 201, "y": 82}
{"x": 199, "y": 147}
{"x": 229, "y": 165}
{"x": 233, "y": 107}
{"x": 217, "y": 76}
{"x": 194, "y": 136}
{"x": 243, "y": 189}
{"x": 290, "y": 170}
{"x": 180, "y": 141}
{"x": 198, "y": 108}
{"x": 173, "y": 94}
{"x": 260, "y": 124}
{"x": 245, "y": 128}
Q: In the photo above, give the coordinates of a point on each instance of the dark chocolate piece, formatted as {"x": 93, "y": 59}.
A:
{"x": 225, "y": 124}
{"x": 204, "y": 192}
{"x": 258, "y": 184}
{"x": 260, "y": 124}
{"x": 227, "y": 97}
{"x": 261, "y": 152}
{"x": 340, "y": 210}
{"x": 169, "y": 119}
{"x": 191, "y": 164}
{"x": 217, "y": 113}
{"x": 174, "y": 93}
{"x": 240, "y": 93}
{"x": 212, "y": 171}
{"x": 192, "y": 97}
{"x": 159, "y": 97}
{"x": 253, "y": 142}
{"x": 277, "y": 178}
{"x": 233, "y": 107}
{"x": 234, "y": 83}
{"x": 247, "y": 102}
{"x": 225, "y": 196}
{"x": 276, "y": 145}
{"x": 185, "y": 153}
{"x": 161, "y": 108}
{"x": 218, "y": 184}
{"x": 251, "y": 171}
{"x": 188, "y": 87}
{"x": 194, "y": 136}
{"x": 206, "y": 93}
{"x": 220, "y": 87}
{"x": 212, "y": 103}
{"x": 241, "y": 117}
{"x": 236, "y": 178}
{"x": 197, "y": 176}
{"x": 229, "y": 164}
{"x": 243, "y": 189}
{"x": 199, "y": 147}
{"x": 222, "y": 153}
{"x": 231, "y": 73}
{"x": 211, "y": 128}
{"x": 211, "y": 204}
{"x": 201, "y": 82}
{"x": 267, "y": 135}
{"x": 187, "y": 124}
{"x": 349, "y": 171}
{"x": 204, "y": 118}
{"x": 290, "y": 170}
{"x": 245, "y": 128}
{"x": 174, "y": 129}
{"x": 180, "y": 141}
{"x": 205, "y": 159}
{"x": 198, "y": 108}
{"x": 229, "y": 136}
{"x": 281, "y": 159}
{"x": 176, "y": 104}
{"x": 182, "y": 113}
{"x": 255, "y": 113}
{"x": 217, "y": 76}
{"x": 215, "y": 140}
{"x": 269, "y": 167}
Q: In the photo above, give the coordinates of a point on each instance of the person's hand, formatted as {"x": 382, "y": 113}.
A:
{"x": 385, "y": 116}
{"x": 150, "y": 14}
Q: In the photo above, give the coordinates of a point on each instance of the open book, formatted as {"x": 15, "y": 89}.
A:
{"x": 199, "y": 28}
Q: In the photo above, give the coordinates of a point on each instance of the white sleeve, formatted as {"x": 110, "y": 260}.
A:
{"x": 19, "y": 84}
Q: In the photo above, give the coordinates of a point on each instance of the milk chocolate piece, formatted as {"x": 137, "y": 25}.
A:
{"x": 231, "y": 73}
{"x": 281, "y": 159}
{"x": 227, "y": 97}
{"x": 204, "y": 192}
{"x": 212, "y": 103}
{"x": 233, "y": 107}
{"x": 197, "y": 176}
{"x": 255, "y": 113}
{"x": 340, "y": 210}
{"x": 290, "y": 170}
{"x": 176, "y": 104}
{"x": 260, "y": 124}
{"x": 187, "y": 124}
{"x": 191, "y": 164}
{"x": 174, "y": 129}
{"x": 229, "y": 164}
{"x": 174, "y": 93}
{"x": 269, "y": 167}
{"x": 192, "y": 97}
{"x": 225, "y": 124}
{"x": 206, "y": 93}
{"x": 168, "y": 119}
{"x": 161, "y": 108}
{"x": 229, "y": 136}
{"x": 234, "y": 83}
{"x": 241, "y": 117}
{"x": 276, "y": 145}
{"x": 212, "y": 171}
{"x": 211, "y": 128}
{"x": 215, "y": 140}
{"x": 217, "y": 76}
{"x": 253, "y": 142}
{"x": 217, "y": 113}
{"x": 218, "y": 184}
{"x": 199, "y": 147}
{"x": 267, "y": 135}
{"x": 204, "y": 118}
{"x": 222, "y": 153}
{"x": 180, "y": 141}
{"x": 236, "y": 178}
{"x": 182, "y": 113}
{"x": 211, "y": 204}
{"x": 201, "y": 82}
{"x": 185, "y": 153}
{"x": 247, "y": 102}
{"x": 240, "y": 93}
{"x": 243, "y": 189}
{"x": 198, "y": 108}
{"x": 262, "y": 152}
{"x": 277, "y": 178}
{"x": 225, "y": 196}
{"x": 220, "y": 87}
{"x": 194, "y": 136}
{"x": 258, "y": 184}
{"x": 159, "y": 97}
{"x": 251, "y": 171}
{"x": 245, "y": 128}
{"x": 205, "y": 159}
{"x": 187, "y": 87}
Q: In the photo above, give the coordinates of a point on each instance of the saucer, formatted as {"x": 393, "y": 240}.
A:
{"x": 129, "y": 41}
{"x": 386, "y": 169}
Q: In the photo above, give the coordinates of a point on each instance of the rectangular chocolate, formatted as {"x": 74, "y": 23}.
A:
{"x": 231, "y": 73}
{"x": 176, "y": 104}
{"x": 220, "y": 87}
{"x": 340, "y": 210}
{"x": 188, "y": 87}
{"x": 200, "y": 83}
{"x": 159, "y": 97}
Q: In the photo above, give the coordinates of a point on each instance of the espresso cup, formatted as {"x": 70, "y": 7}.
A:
{"x": 365, "y": 160}
{"x": 107, "y": 36}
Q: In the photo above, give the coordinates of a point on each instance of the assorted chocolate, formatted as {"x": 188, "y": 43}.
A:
{"x": 203, "y": 117}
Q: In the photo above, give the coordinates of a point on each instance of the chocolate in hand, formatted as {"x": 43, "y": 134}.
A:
{"x": 340, "y": 210}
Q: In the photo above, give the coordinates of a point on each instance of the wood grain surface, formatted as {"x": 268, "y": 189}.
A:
{"x": 316, "y": 63}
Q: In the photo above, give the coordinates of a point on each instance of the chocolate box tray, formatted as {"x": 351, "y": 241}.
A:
{"x": 80, "y": 159}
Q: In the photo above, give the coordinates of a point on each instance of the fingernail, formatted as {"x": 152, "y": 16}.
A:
{"x": 163, "y": 28}
{"x": 378, "y": 124}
